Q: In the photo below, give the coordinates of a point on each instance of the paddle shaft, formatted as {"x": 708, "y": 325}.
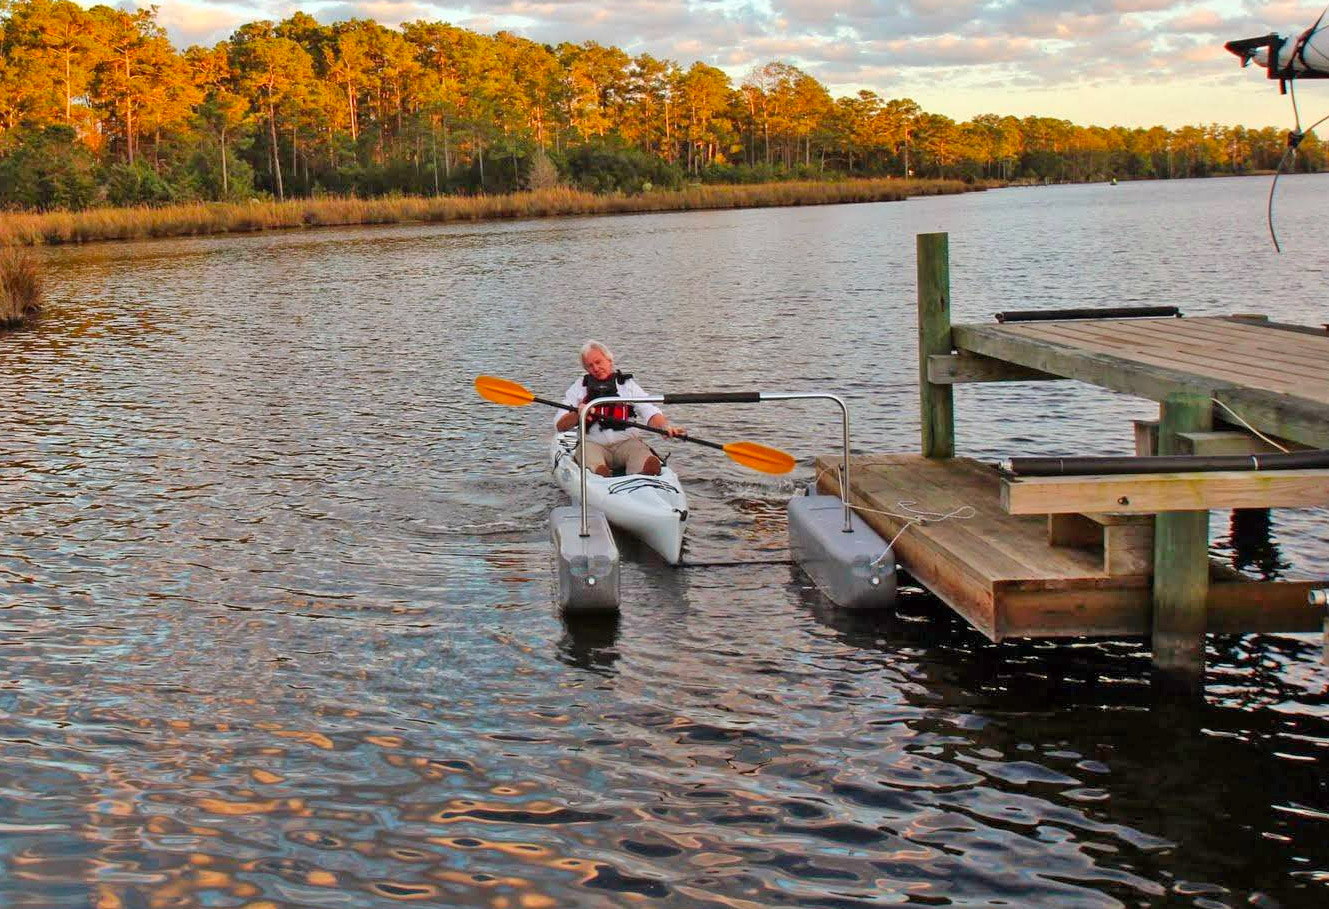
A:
{"x": 659, "y": 432}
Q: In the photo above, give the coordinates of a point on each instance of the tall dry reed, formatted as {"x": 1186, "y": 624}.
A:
{"x": 20, "y": 287}
{"x": 219, "y": 217}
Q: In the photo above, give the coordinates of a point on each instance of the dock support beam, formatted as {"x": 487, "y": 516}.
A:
{"x": 1321, "y": 598}
{"x": 936, "y": 403}
{"x": 1181, "y": 558}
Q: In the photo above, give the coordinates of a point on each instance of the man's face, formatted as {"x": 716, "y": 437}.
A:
{"x": 598, "y": 364}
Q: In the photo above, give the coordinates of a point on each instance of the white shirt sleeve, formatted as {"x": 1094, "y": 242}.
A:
{"x": 572, "y": 397}
{"x": 630, "y": 389}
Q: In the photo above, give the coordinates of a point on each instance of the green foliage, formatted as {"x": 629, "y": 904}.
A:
{"x": 356, "y": 107}
{"x": 743, "y": 173}
{"x": 139, "y": 184}
{"x": 205, "y": 166}
{"x": 610, "y": 166}
{"x": 46, "y": 168}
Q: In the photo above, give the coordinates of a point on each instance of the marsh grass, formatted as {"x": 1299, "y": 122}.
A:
{"x": 20, "y": 287}
{"x": 217, "y": 217}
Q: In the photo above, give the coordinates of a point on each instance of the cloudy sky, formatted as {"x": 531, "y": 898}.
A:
{"x": 1128, "y": 62}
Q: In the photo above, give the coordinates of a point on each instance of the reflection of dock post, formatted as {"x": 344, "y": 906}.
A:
{"x": 936, "y": 404}
{"x": 1181, "y": 556}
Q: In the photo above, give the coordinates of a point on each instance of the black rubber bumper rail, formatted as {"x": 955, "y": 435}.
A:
{"x": 1087, "y": 466}
{"x": 1111, "y": 312}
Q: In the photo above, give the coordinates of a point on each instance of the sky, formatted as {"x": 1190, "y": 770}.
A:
{"x": 1093, "y": 62}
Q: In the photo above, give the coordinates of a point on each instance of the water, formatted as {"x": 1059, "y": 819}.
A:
{"x": 276, "y": 591}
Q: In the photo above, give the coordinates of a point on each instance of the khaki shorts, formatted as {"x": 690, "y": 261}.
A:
{"x": 628, "y": 455}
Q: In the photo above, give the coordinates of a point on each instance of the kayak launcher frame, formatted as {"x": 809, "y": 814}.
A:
{"x": 718, "y": 397}
{"x": 1246, "y": 48}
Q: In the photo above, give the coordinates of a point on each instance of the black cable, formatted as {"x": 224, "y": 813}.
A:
{"x": 1293, "y": 140}
{"x": 734, "y": 564}
{"x": 1269, "y": 209}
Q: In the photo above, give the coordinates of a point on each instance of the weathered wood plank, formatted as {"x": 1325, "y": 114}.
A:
{"x": 960, "y": 369}
{"x": 999, "y": 574}
{"x": 1006, "y": 545}
{"x": 993, "y": 542}
{"x": 1214, "y": 346}
{"x": 1108, "y": 371}
{"x": 1155, "y": 492}
{"x": 1146, "y": 438}
{"x": 936, "y": 402}
{"x": 1249, "y": 357}
{"x": 1125, "y": 541}
{"x": 1128, "y": 549}
{"x": 1262, "y": 336}
{"x": 1209, "y": 360}
{"x": 1283, "y": 416}
{"x": 1080, "y": 610}
{"x": 1226, "y": 442}
{"x": 1073, "y": 529}
{"x": 1181, "y": 556}
{"x": 1304, "y": 346}
{"x": 1280, "y": 416}
{"x": 1232, "y": 607}
{"x": 1263, "y": 321}
{"x": 952, "y": 578}
{"x": 1261, "y": 607}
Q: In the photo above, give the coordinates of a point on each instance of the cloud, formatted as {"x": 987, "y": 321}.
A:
{"x": 1206, "y": 21}
{"x": 200, "y": 22}
{"x": 1052, "y": 47}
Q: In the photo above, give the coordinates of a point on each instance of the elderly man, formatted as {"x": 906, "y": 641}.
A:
{"x": 609, "y": 443}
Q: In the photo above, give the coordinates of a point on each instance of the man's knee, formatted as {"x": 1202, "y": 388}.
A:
{"x": 651, "y": 466}
{"x": 603, "y": 470}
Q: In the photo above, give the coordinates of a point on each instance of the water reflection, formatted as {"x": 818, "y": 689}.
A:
{"x": 275, "y": 591}
{"x": 1250, "y": 542}
{"x": 590, "y": 642}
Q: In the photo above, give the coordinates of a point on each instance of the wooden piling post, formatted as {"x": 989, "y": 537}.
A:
{"x": 936, "y": 404}
{"x": 1181, "y": 557}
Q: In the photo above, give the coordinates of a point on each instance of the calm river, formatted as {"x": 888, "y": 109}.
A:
{"x": 276, "y": 595}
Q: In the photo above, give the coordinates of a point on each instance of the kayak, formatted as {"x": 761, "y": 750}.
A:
{"x": 652, "y": 508}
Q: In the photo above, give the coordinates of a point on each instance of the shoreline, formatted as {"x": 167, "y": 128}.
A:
{"x": 211, "y": 218}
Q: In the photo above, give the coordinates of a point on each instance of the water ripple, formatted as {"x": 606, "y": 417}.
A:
{"x": 275, "y": 590}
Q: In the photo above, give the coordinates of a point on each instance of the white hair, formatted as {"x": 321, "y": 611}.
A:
{"x": 594, "y": 345}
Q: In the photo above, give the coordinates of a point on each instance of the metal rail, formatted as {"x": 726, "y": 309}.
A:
{"x": 720, "y": 397}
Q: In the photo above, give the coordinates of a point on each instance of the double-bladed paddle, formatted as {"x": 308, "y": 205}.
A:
{"x": 749, "y": 454}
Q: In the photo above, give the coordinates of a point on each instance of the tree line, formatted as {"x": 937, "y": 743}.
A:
{"x": 97, "y": 107}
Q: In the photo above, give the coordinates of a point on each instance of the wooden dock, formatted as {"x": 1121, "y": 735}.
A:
{"x": 1275, "y": 376}
{"x": 1014, "y": 575}
{"x": 1104, "y": 555}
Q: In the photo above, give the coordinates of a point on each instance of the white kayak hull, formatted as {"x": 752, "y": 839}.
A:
{"x": 653, "y": 509}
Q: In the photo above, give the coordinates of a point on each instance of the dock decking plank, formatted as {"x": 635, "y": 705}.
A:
{"x": 999, "y": 572}
{"x": 1245, "y": 346}
{"x": 965, "y": 484}
{"x": 1208, "y": 361}
{"x": 1301, "y": 419}
{"x": 1239, "y": 355}
{"x": 1308, "y": 350}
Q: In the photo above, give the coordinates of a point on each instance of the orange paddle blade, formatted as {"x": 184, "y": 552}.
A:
{"x": 502, "y": 391}
{"x": 760, "y": 457}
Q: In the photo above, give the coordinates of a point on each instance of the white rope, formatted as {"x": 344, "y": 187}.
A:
{"x": 916, "y": 517}
{"x": 1249, "y": 426}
